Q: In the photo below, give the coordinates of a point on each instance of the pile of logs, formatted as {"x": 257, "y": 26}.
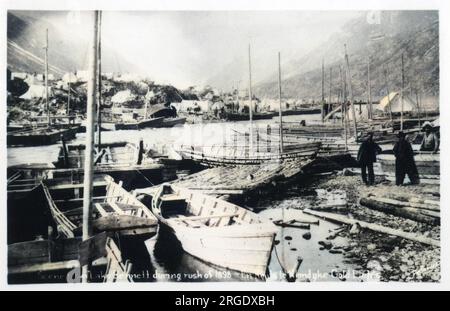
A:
{"x": 414, "y": 208}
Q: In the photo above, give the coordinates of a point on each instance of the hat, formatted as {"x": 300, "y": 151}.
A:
{"x": 427, "y": 124}
{"x": 401, "y": 134}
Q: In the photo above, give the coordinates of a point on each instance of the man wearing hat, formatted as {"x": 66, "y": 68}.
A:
{"x": 430, "y": 140}
{"x": 367, "y": 155}
{"x": 404, "y": 161}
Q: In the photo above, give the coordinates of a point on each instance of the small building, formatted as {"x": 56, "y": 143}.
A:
{"x": 187, "y": 106}
{"x": 19, "y": 75}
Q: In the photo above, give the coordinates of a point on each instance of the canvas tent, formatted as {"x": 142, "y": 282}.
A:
{"x": 122, "y": 97}
{"x": 36, "y": 91}
{"x": 394, "y": 99}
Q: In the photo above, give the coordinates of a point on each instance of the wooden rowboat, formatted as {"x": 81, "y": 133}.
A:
{"x": 115, "y": 209}
{"x": 56, "y": 260}
{"x": 137, "y": 125}
{"x": 216, "y": 231}
{"x": 243, "y": 155}
{"x": 41, "y": 136}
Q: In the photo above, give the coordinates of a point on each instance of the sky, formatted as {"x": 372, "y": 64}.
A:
{"x": 187, "y": 48}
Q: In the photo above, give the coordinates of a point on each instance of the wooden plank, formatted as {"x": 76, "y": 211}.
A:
{"x": 44, "y": 267}
{"x": 114, "y": 222}
{"x": 400, "y": 211}
{"x": 115, "y": 207}
{"x": 93, "y": 248}
{"x": 375, "y": 227}
{"x": 72, "y": 186}
{"x": 429, "y": 206}
{"x": 100, "y": 209}
{"x": 204, "y": 217}
{"x": 81, "y": 199}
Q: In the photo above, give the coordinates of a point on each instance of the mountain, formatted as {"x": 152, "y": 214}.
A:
{"x": 384, "y": 36}
{"x": 26, "y": 41}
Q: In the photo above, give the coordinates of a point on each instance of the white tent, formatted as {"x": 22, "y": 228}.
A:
{"x": 122, "y": 97}
{"x": 36, "y": 91}
{"x": 69, "y": 77}
{"x": 394, "y": 99}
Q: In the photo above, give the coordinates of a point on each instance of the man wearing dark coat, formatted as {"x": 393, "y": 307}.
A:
{"x": 367, "y": 155}
{"x": 404, "y": 161}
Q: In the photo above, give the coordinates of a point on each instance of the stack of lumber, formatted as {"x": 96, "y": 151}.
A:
{"x": 374, "y": 227}
{"x": 414, "y": 208}
{"x": 241, "y": 179}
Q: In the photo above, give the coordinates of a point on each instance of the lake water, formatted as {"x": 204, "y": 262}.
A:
{"x": 206, "y": 134}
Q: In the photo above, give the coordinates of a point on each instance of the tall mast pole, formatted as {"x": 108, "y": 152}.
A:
{"x": 329, "y": 97}
{"x": 369, "y": 94}
{"x": 351, "y": 93}
{"x": 279, "y": 98}
{"x": 146, "y": 104}
{"x": 401, "y": 95}
{"x": 47, "y": 105}
{"x": 323, "y": 91}
{"x": 418, "y": 105}
{"x": 341, "y": 94}
{"x": 99, "y": 105}
{"x": 68, "y": 98}
{"x": 250, "y": 96}
{"x": 237, "y": 97}
{"x": 388, "y": 93}
{"x": 343, "y": 106}
{"x": 90, "y": 132}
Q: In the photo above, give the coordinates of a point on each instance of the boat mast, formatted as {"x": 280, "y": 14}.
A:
{"x": 46, "y": 77}
{"x": 323, "y": 92}
{"x": 250, "y": 96}
{"x": 329, "y": 97}
{"x": 369, "y": 94}
{"x": 279, "y": 98}
{"x": 351, "y": 93}
{"x": 90, "y": 132}
{"x": 418, "y": 105}
{"x": 389, "y": 98}
{"x": 146, "y": 104}
{"x": 99, "y": 105}
{"x": 236, "y": 109}
{"x": 68, "y": 98}
{"x": 401, "y": 95}
{"x": 343, "y": 106}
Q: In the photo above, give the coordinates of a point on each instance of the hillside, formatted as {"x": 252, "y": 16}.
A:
{"x": 414, "y": 33}
{"x": 26, "y": 41}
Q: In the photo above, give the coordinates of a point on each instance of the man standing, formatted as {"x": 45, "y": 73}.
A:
{"x": 367, "y": 155}
{"x": 404, "y": 161}
{"x": 430, "y": 140}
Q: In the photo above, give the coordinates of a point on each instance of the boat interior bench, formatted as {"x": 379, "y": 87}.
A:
{"x": 206, "y": 220}
{"x": 115, "y": 207}
{"x": 172, "y": 205}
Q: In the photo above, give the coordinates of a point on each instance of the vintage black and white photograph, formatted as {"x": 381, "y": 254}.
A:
{"x": 222, "y": 146}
